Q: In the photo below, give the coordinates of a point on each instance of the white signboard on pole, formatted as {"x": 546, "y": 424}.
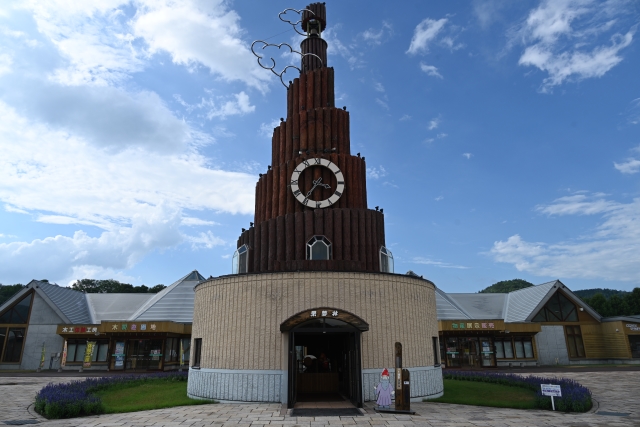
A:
{"x": 551, "y": 390}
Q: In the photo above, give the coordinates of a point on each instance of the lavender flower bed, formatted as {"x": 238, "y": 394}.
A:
{"x": 76, "y": 399}
{"x": 575, "y": 397}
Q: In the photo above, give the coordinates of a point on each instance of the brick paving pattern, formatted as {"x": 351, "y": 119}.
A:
{"x": 614, "y": 391}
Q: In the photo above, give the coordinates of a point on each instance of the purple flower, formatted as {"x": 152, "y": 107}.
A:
{"x": 575, "y": 397}
{"x": 75, "y": 398}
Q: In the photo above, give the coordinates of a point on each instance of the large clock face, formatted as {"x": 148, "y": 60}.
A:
{"x": 306, "y": 196}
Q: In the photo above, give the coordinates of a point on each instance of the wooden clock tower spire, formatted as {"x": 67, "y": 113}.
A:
{"x": 311, "y": 205}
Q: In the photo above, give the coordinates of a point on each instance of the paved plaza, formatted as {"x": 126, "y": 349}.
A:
{"x": 614, "y": 391}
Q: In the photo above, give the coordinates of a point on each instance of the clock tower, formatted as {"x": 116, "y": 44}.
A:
{"x": 313, "y": 308}
{"x": 311, "y": 204}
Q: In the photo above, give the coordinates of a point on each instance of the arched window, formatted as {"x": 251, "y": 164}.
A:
{"x": 386, "y": 260}
{"x": 240, "y": 263}
{"x": 318, "y": 247}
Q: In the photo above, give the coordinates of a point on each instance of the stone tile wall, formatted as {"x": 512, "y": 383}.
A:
{"x": 238, "y": 318}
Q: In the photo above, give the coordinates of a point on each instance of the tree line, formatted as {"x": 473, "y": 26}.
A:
{"x": 627, "y": 304}
{"x": 607, "y": 302}
{"x": 90, "y": 286}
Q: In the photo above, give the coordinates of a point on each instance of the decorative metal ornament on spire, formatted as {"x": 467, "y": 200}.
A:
{"x": 293, "y": 24}
{"x": 313, "y": 27}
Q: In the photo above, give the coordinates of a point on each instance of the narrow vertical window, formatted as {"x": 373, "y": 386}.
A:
{"x": 386, "y": 260}
{"x": 240, "y": 262}
{"x": 197, "y": 349}
{"x": 436, "y": 361}
{"x": 574, "y": 341}
{"x": 13, "y": 347}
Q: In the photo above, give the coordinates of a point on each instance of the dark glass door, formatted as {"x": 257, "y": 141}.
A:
{"x": 355, "y": 370}
{"x": 144, "y": 355}
{"x": 293, "y": 371}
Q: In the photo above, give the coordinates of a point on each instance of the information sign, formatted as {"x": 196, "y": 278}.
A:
{"x": 551, "y": 390}
{"x": 88, "y": 353}
{"x": 119, "y": 354}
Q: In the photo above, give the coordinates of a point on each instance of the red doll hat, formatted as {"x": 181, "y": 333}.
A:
{"x": 385, "y": 373}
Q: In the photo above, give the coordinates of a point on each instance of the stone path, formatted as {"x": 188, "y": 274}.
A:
{"x": 614, "y": 391}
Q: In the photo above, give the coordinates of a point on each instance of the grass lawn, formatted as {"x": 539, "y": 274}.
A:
{"x": 152, "y": 395}
{"x": 486, "y": 394}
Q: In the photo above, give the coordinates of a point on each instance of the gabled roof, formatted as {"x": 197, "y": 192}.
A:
{"x": 516, "y": 306}
{"x": 115, "y": 306}
{"x": 71, "y": 303}
{"x": 481, "y": 306}
{"x": 521, "y": 303}
{"x": 558, "y": 285}
{"x": 447, "y": 308}
{"x": 173, "y": 303}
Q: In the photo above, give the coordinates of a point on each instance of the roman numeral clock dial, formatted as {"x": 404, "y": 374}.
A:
{"x": 307, "y": 197}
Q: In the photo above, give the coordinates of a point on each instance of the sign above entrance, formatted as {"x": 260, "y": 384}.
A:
{"x": 120, "y": 327}
{"x": 323, "y": 312}
{"x": 133, "y": 327}
{"x": 473, "y": 325}
{"x": 78, "y": 329}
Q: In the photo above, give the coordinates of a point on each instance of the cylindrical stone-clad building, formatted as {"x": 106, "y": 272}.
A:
{"x": 313, "y": 307}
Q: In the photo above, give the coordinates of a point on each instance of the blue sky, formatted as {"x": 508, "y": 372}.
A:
{"x": 502, "y": 138}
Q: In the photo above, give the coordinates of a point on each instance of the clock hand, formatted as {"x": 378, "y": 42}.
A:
{"x": 316, "y": 183}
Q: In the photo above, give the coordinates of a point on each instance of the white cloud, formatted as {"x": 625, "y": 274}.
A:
{"x": 431, "y": 70}
{"x": 382, "y": 103}
{"x": 46, "y": 169}
{"x": 93, "y": 37}
{"x": 195, "y": 222}
{"x": 350, "y": 52}
{"x": 220, "y": 106}
{"x": 205, "y": 240}
{"x": 442, "y": 135}
{"x": 405, "y": 117}
{"x": 563, "y": 39}
{"x": 424, "y": 33}
{"x": 195, "y": 32}
{"x": 467, "y": 155}
{"x": 104, "y": 42}
{"x": 429, "y": 140}
{"x": 67, "y": 258}
{"x": 633, "y": 115}
{"x": 376, "y": 173}
{"x": 610, "y": 251}
{"x": 578, "y": 204}
{"x": 13, "y": 209}
{"x": 439, "y": 264}
{"x": 630, "y": 166}
{"x": 5, "y": 63}
{"x": 437, "y": 199}
{"x": 488, "y": 11}
{"x": 434, "y": 123}
{"x": 135, "y": 194}
{"x": 378, "y": 87}
{"x": 18, "y": 35}
{"x": 378, "y": 36}
{"x": 104, "y": 116}
{"x": 450, "y": 43}
{"x": 266, "y": 129}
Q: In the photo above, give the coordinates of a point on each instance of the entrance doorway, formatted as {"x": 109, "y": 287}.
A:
{"x": 468, "y": 352}
{"x": 324, "y": 363}
{"x": 144, "y": 355}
